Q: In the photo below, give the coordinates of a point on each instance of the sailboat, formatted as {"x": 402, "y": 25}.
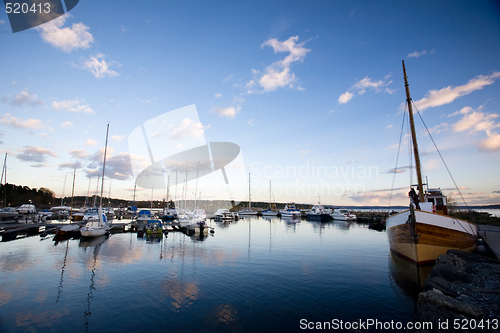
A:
{"x": 270, "y": 211}
{"x": 424, "y": 231}
{"x": 96, "y": 228}
{"x": 248, "y": 211}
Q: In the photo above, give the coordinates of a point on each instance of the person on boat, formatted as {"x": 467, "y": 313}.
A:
{"x": 414, "y": 198}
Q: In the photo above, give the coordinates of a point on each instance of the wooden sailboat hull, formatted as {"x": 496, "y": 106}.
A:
{"x": 435, "y": 234}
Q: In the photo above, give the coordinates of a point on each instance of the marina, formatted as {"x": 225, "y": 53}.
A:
{"x": 280, "y": 271}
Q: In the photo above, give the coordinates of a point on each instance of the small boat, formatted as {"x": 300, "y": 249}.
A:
{"x": 60, "y": 212}
{"x": 342, "y": 215}
{"x": 290, "y": 210}
{"x": 154, "y": 228}
{"x": 223, "y": 214}
{"x": 424, "y": 231}
{"x": 68, "y": 229}
{"x": 27, "y": 209}
{"x": 78, "y": 216}
{"x": 317, "y": 212}
{"x": 8, "y": 213}
{"x": 249, "y": 211}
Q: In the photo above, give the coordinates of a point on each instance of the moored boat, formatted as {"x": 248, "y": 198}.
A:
{"x": 317, "y": 212}
{"x": 290, "y": 211}
{"x": 425, "y": 231}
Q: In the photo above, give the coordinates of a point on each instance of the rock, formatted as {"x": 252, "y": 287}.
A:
{"x": 440, "y": 283}
{"x": 450, "y": 273}
{"x": 437, "y": 298}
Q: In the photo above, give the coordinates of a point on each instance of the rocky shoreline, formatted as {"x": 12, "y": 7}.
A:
{"x": 461, "y": 292}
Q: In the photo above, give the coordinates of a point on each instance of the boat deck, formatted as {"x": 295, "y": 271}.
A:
{"x": 491, "y": 234}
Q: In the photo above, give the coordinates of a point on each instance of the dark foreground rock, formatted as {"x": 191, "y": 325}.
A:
{"x": 462, "y": 291}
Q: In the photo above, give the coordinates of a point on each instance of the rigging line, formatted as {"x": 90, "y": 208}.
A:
{"x": 397, "y": 157}
{"x": 442, "y": 159}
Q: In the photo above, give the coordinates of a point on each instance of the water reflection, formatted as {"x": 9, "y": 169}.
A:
{"x": 409, "y": 277}
{"x": 96, "y": 243}
{"x": 59, "y": 288}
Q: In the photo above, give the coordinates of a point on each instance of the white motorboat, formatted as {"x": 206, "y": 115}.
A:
{"x": 317, "y": 212}
{"x": 27, "y": 209}
{"x": 223, "y": 214}
{"x": 290, "y": 210}
{"x": 341, "y": 215}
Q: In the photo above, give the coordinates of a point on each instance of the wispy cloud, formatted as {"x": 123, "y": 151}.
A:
{"x": 218, "y": 95}
{"x": 229, "y": 112}
{"x": 34, "y": 154}
{"x": 67, "y": 124}
{"x": 303, "y": 152}
{"x": 79, "y": 153}
{"x": 67, "y": 39}
{"x": 398, "y": 170}
{"x": 365, "y": 84}
{"x": 71, "y": 165}
{"x": 22, "y": 99}
{"x": 72, "y": 106}
{"x": 11, "y": 121}
{"x": 98, "y": 66}
{"x": 188, "y": 128}
{"x": 118, "y": 138}
{"x": 250, "y": 122}
{"x": 228, "y": 78}
{"x": 449, "y": 94}
{"x": 90, "y": 142}
{"x": 416, "y": 54}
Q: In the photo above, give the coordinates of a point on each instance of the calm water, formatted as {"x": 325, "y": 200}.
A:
{"x": 253, "y": 275}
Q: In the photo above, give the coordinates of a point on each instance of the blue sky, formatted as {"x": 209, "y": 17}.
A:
{"x": 313, "y": 94}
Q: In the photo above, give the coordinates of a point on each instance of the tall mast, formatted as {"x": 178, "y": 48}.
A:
{"x": 249, "y": 195}
{"x": 72, "y": 195}
{"x": 414, "y": 138}
{"x": 104, "y": 164}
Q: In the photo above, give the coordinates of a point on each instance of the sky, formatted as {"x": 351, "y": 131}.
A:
{"x": 312, "y": 93}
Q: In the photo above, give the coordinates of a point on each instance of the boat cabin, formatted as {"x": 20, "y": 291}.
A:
{"x": 437, "y": 200}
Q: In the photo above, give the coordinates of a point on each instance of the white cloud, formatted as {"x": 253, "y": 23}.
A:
{"x": 250, "y": 122}
{"x": 278, "y": 74}
{"x": 44, "y": 135}
{"x": 11, "y": 121}
{"x": 345, "y": 97}
{"x": 179, "y": 146}
{"x": 67, "y": 124}
{"x": 67, "y": 39}
{"x": 229, "y": 112}
{"x": 366, "y": 84}
{"x": 24, "y": 98}
{"x": 79, "y": 153}
{"x": 90, "y": 142}
{"x": 118, "y": 138}
{"x": 492, "y": 143}
{"x": 218, "y": 95}
{"x": 416, "y": 54}
{"x": 188, "y": 128}
{"x": 449, "y": 94}
{"x": 475, "y": 122}
{"x": 303, "y": 152}
{"x": 72, "y": 106}
{"x": 98, "y": 66}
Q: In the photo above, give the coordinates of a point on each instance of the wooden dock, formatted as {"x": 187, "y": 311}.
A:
{"x": 491, "y": 235}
